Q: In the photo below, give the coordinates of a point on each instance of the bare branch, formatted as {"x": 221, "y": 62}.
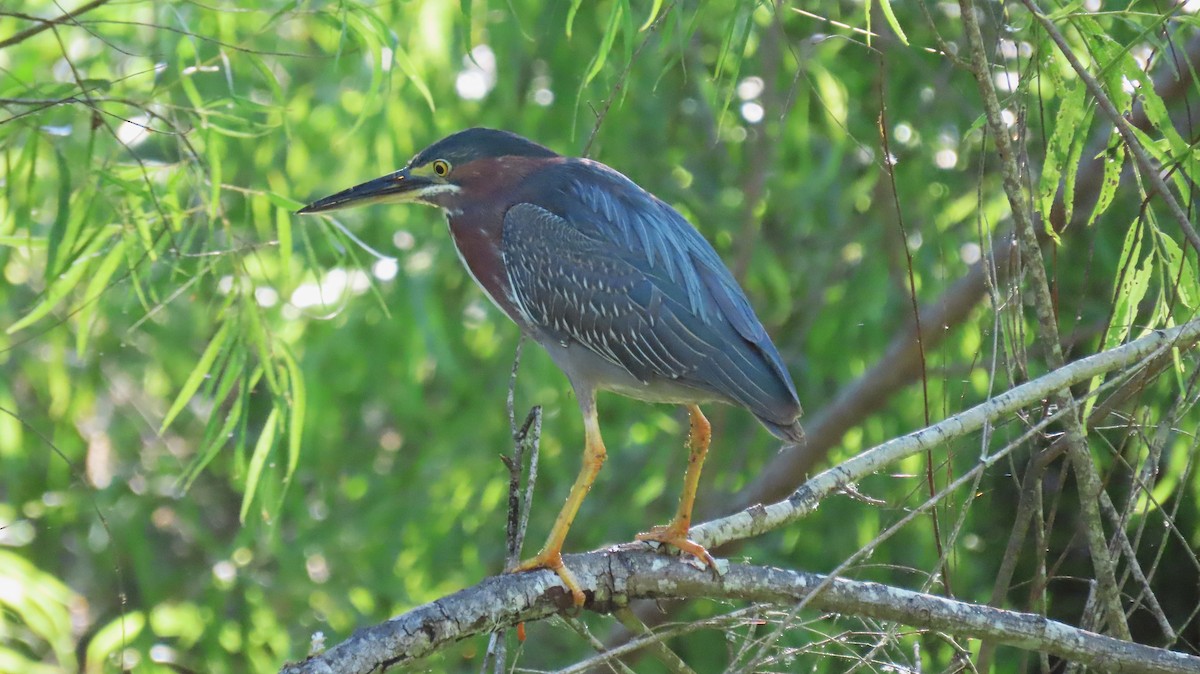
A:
{"x": 21, "y": 36}
{"x": 623, "y": 575}
{"x": 758, "y": 519}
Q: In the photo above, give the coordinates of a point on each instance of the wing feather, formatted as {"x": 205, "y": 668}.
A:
{"x": 655, "y": 320}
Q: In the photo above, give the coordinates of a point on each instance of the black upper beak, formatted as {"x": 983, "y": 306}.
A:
{"x": 393, "y": 185}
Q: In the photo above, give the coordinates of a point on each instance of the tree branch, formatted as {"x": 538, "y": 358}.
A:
{"x": 47, "y": 23}
{"x": 620, "y": 576}
{"x": 758, "y": 519}
{"x": 617, "y": 576}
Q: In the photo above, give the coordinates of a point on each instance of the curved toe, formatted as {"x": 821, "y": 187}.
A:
{"x": 676, "y": 537}
{"x": 553, "y": 562}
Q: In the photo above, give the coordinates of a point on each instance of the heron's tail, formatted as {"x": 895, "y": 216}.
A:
{"x": 792, "y": 432}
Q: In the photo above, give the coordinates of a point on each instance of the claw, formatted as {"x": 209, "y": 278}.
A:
{"x": 676, "y": 536}
{"x": 553, "y": 561}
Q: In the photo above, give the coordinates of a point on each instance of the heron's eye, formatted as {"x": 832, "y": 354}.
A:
{"x": 441, "y": 167}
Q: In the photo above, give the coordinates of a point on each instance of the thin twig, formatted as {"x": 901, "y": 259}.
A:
{"x": 889, "y": 169}
{"x": 518, "y": 508}
{"x": 580, "y": 628}
{"x": 1085, "y": 468}
{"x": 587, "y": 147}
{"x": 654, "y": 643}
{"x": 49, "y": 23}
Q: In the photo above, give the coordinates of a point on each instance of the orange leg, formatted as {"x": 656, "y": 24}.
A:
{"x": 550, "y": 556}
{"x": 676, "y": 533}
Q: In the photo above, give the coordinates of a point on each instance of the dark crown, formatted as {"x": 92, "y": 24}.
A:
{"x": 480, "y": 143}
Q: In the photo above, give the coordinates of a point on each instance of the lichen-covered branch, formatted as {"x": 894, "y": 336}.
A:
{"x": 758, "y": 519}
{"x": 619, "y": 576}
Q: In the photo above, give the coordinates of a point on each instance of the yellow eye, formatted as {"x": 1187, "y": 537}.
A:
{"x": 441, "y": 167}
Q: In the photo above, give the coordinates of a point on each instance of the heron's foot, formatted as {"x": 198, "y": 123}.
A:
{"x": 552, "y": 560}
{"x": 675, "y": 534}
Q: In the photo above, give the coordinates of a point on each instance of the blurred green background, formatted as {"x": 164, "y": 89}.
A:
{"x": 225, "y": 428}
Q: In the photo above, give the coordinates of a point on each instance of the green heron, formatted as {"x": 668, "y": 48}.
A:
{"x": 624, "y": 294}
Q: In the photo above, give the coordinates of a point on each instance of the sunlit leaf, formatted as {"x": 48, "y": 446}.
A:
{"x": 220, "y": 431}
{"x": 25, "y": 242}
{"x": 113, "y": 637}
{"x": 59, "y": 245}
{"x": 298, "y": 405}
{"x": 201, "y": 370}
{"x": 606, "y": 43}
{"x": 574, "y": 9}
{"x": 654, "y": 10}
{"x": 258, "y": 460}
{"x": 1130, "y": 292}
{"x": 1067, "y": 128}
{"x": 886, "y": 6}
{"x": 283, "y": 228}
{"x": 92, "y": 293}
{"x": 61, "y": 287}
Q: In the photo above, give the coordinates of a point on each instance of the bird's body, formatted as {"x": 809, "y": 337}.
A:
{"x": 624, "y": 294}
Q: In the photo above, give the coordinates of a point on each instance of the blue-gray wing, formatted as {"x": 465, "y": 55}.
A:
{"x": 642, "y": 313}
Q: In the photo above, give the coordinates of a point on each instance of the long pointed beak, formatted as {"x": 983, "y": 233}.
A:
{"x": 394, "y": 187}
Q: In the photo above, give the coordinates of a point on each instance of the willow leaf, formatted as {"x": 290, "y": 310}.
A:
{"x": 91, "y": 294}
{"x": 63, "y": 285}
{"x": 197, "y": 375}
{"x": 258, "y": 460}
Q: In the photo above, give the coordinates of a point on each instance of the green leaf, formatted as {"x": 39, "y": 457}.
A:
{"x": 23, "y": 242}
{"x": 258, "y": 460}
{"x": 736, "y": 34}
{"x": 283, "y": 227}
{"x": 1058, "y": 151}
{"x": 654, "y": 10}
{"x": 196, "y": 378}
{"x": 14, "y": 661}
{"x": 414, "y": 76}
{"x": 289, "y": 205}
{"x": 467, "y": 8}
{"x": 59, "y": 247}
{"x": 216, "y": 436}
{"x": 64, "y": 284}
{"x": 298, "y": 406}
{"x": 886, "y": 6}
{"x": 1179, "y": 272}
{"x": 112, "y": 638}
{"x": 91, "y": 294}
{"x": 259, "y": 338}
{"x": 1071, "y": 168}
{"x": 606, "y": 43}
{"x": 215, "y": 145}
{"x": 574, "y": 9}
{"x": 1130, "y": 292}
{"x": 1114, "y": 161}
